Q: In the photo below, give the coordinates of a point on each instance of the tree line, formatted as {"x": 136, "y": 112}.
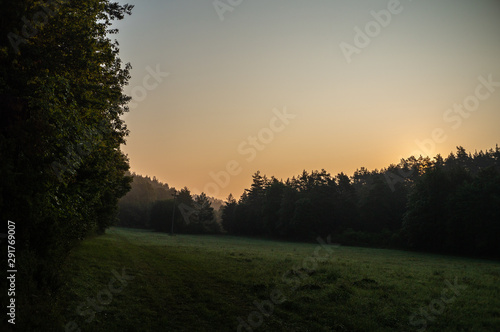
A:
{"x": 62, "y": 170}
{"x": 443, "y": 205}
{"x": 151, "y": 204}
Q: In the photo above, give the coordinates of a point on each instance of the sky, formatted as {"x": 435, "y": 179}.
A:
{"x": 222, "y": 89}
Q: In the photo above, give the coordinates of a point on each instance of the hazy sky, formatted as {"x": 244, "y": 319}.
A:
{"x": 285, "y": 85}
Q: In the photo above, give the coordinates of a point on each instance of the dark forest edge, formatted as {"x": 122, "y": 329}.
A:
{"x": 442, "y": 205}
{"x": 62, "y": 170}
{"x": 150, "y": 204}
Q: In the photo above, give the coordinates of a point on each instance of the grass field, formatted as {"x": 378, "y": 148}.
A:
{"x": 132, "y": 280}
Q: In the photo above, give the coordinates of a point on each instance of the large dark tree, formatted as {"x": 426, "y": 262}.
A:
{"x": 61, "y": 100}
{"x": 229, "y": 223}
{"x": 272, "y": 203}
{"x": 204, "y": 221}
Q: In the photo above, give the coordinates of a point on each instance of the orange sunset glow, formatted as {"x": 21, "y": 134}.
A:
{"x": 355, "y": 85}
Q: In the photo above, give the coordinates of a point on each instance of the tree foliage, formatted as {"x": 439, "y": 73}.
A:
{"x": 134, "y": 209}
{"x": 449, "y": 205}
{"x": 61, "y": 94}
{"x": 190, "y": 215}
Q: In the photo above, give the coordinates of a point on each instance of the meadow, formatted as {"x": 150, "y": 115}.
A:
{"x": 136, "y": 280}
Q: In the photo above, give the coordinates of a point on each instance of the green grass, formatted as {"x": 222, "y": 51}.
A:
{"x": 204, "y": 283}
